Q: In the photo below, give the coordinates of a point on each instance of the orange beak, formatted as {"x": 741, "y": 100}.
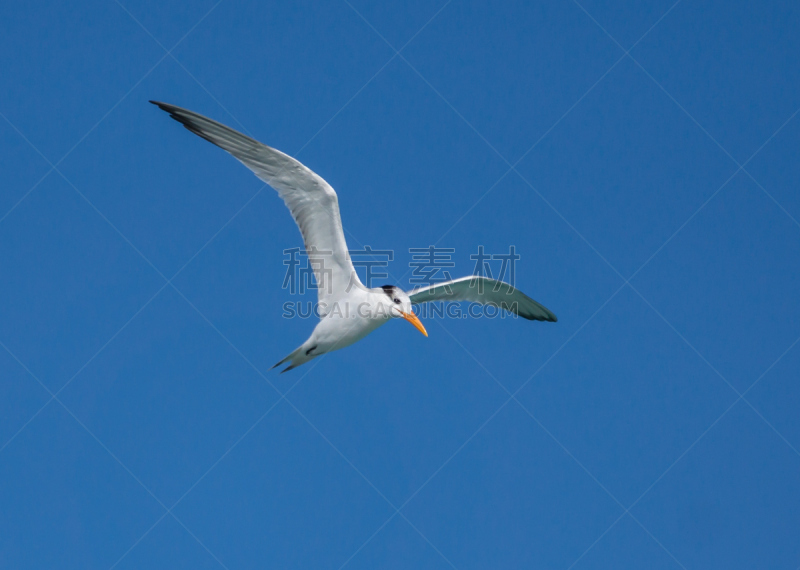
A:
{"x": 412, "y": 318}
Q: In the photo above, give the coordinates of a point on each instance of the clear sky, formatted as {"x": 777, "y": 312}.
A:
{"x": 642, "y": 159}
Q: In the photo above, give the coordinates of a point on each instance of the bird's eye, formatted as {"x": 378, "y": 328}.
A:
{"x": 396, "y": 301}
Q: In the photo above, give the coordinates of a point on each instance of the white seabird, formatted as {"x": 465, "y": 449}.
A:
{"x": 349, "y": 311}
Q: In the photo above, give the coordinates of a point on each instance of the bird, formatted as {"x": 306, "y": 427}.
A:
{"x": 348, "y": 310}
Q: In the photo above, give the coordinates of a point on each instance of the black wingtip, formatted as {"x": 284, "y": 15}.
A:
{"x": 288, "y": 368}
{"x": 171, "y": 109}
{"x": 549, "y": 318}
{"x": 174, "y": 112}
{"x": 184, "y": 117}
{"x": 546, "y": 319}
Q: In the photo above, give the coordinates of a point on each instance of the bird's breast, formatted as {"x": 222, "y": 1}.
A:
{"x": 348, "y": 322}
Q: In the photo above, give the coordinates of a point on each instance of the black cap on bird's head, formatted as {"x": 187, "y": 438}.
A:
{"x": 402, "y": 304}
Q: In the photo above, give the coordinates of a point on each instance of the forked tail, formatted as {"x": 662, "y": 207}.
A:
{"x": 300, "y": 355}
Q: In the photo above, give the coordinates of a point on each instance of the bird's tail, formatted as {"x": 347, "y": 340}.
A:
{"x": 299, "y": 356}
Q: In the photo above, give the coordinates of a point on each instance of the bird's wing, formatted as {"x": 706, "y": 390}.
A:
{"x": 486, "y": 292}
{"x": 312, "y": 202}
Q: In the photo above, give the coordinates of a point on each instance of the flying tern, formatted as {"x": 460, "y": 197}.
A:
{"x": 348, "y": 310}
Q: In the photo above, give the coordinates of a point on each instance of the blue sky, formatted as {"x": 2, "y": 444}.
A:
{"x": 642, "y": 158}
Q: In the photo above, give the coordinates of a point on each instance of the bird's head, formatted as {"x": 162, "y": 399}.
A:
{"x": 399, "y": 305}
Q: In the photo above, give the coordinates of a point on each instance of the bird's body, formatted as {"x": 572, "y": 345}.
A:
{"x": 349, "y": 311}
{"x": 346, "y": 322}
